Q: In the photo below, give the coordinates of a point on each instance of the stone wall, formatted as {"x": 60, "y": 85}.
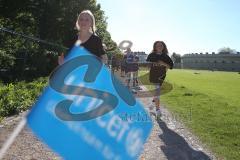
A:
{"x": 221, "y": 62}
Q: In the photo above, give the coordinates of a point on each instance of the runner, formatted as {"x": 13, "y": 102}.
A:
{"x": 160, "y": 63}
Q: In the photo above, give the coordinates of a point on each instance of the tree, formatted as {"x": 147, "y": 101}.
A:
{"x": 176, "y": 58}
{"x": 50, "y": 20}
{"x": 226, "y": 50}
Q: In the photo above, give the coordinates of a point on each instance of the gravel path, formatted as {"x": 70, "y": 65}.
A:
{"x": 169, "y": 140}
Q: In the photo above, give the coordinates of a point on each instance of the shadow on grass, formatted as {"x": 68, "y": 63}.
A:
{"x": 165, "y": 88}
{"x": 176, "y": 148}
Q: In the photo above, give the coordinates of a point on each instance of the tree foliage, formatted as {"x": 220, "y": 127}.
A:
{"x": 50, "y": 20}
{"x": 226, "y": 50}
{"x": 176, "y": 58}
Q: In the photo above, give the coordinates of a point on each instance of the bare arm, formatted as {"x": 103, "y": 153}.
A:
{"x": 164, "y": 64}
{"x": 104, "y": 58}
{"x": 61, "y": 59}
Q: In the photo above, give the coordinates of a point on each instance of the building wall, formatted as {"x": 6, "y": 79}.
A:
{"x": 221, "y": 62}
{"x": 142, "y": 56}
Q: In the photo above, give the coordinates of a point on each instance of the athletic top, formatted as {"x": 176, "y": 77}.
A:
{"x": 157, "y": 71}
{"x": 131, "y": 62}
{"x": 93, "y": 45}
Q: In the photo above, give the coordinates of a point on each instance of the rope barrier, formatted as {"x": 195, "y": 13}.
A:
{"x": 32, "y": 38}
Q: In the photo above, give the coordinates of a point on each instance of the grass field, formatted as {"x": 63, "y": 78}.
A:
{"x": 209, "y": 105}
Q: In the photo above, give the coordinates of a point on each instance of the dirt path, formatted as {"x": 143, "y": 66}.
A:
{"x": 169, "y": 140}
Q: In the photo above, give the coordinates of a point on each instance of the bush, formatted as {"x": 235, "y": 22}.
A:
{"x": 18, "y": 97}
{"x": 6, "y": 60}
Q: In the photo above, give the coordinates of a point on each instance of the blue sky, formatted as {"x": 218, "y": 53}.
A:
{"x": 186, "y": 26}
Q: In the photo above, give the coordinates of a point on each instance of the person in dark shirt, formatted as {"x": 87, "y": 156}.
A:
{"x": 160, "y": 62}
{"x": 86, "y": 36}
{"x": 135, "y": 70}
{"x": 123, "y": 66}
{"x": 129, "y": 65}
{"x": 115, "y": 64}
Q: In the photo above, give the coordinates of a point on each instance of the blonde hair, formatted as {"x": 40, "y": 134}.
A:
{"x": 93, "y": 27}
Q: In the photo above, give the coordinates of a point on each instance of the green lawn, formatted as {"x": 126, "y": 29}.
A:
{"x": 209, "y": 104}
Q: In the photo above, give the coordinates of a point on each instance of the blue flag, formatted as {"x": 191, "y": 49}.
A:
{"x": 87, "y": 113}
